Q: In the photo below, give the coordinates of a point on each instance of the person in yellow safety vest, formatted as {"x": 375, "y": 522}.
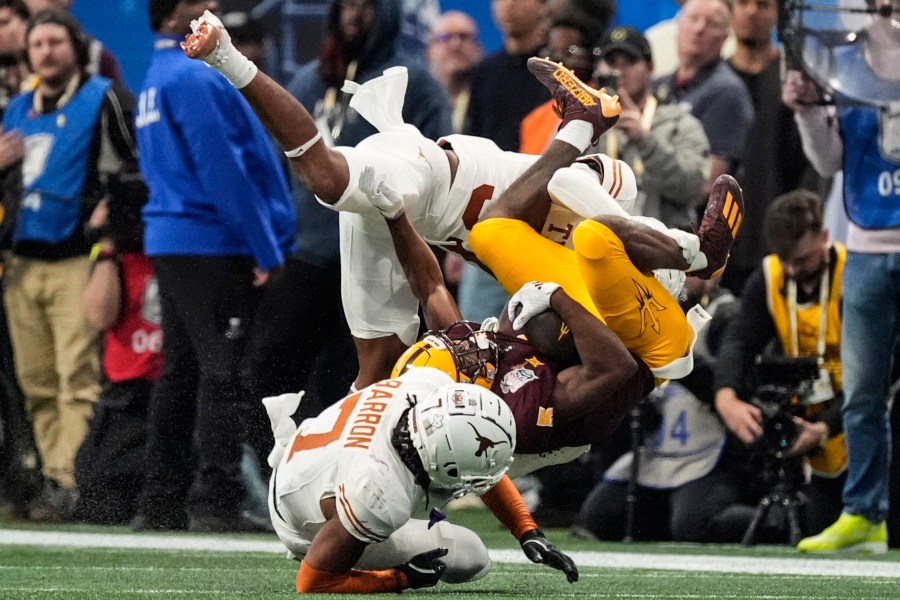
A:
{"x": 794, "y": 298}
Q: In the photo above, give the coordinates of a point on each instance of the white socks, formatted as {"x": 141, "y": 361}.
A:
{"x": 577, "y": 133}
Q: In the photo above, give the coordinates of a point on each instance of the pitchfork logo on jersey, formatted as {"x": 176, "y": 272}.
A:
{"x": 648, "y": 307}
{"x": 484, "y": 443}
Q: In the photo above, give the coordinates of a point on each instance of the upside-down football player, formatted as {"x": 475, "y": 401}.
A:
{"x": 626, "y": 327}
{"x": 563, "y": 400}
{"x": 445, "y": 186}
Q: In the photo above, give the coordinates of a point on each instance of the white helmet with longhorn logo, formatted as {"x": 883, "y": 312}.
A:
{"x": 465, "y": 436}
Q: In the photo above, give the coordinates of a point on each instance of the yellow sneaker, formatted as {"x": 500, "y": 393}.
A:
{"x": 850, "y": 533}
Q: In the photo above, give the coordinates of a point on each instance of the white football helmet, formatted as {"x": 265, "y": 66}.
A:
{"x": 465, "y": 436}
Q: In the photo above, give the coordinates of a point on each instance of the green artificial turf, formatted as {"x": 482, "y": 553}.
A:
{"x": 45, "y": 572}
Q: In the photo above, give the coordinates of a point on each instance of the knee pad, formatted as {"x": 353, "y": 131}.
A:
{"x": 579, "y": 189}
{"x": 593, "y": 240}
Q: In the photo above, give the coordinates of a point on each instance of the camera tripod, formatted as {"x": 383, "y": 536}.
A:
{"x": 784, "y": 494}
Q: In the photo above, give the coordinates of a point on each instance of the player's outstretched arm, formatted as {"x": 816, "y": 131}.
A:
{"x": 323, "y": 170}
{"x": 419, "y": 264}
{"x": 505, "y": 502}
{"x": 423, "y": 271}
{"x": 328, "y": 566}
{"x": 606, "y": 364}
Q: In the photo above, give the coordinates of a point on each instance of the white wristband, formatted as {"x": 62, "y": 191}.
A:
{"x": 299, "y": 150}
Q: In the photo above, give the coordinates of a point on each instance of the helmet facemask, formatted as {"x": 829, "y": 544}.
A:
{"x": 467, "y": 354}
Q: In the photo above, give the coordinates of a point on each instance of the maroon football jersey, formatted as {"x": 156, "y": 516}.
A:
{"x": 525, "y": 380}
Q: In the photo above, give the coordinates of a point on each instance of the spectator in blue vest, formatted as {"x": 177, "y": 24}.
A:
{"x": 862, "y": 140}
{"x": 68, "y": 129}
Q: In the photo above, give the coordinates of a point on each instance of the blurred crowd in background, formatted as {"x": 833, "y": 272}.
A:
{"x": 123, "y": 403}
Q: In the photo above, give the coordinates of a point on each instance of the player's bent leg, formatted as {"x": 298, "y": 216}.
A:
{"x": 527, "y": 198}
{"x": 376, "y": 357}
{"x": 647, "y": 319}
{"x": 467, "y": 557}
{"x": 516, "y": 254}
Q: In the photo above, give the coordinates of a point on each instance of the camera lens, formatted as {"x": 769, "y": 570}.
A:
{"x": 780, "y": 432}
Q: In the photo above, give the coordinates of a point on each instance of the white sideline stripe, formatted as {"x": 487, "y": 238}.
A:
{"x": 721, "y": 564}
{"x": 613, "y": 560}
{"x": 71, "y": 539}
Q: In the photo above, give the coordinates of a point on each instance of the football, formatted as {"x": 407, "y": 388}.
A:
{"x": 552, "y": 337}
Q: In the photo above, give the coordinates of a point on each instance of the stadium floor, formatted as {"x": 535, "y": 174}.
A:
{"x": 80, "y": 562}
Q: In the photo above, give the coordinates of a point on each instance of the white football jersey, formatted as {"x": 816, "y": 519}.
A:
{"x": 485, "y": 172}
{"x": 346, "y": 453}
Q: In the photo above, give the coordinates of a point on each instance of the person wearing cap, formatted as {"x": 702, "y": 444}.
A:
{"x": 663, "y": 144}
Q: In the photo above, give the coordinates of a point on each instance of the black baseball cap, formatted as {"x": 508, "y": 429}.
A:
{"x": 628, "y": 40}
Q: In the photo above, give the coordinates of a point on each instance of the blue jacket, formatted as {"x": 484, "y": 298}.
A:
{"x": 216, "y": 186}
{"x": 426, "y": 106}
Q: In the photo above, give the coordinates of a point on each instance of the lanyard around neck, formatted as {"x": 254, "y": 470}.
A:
{"x": 791, "y": 290}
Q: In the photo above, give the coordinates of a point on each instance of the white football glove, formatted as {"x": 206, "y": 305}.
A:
{"x": 672, "y": 280}
{"x": 225, "y": 58}
{"x": 382, "y": 196}
{"x": 532, "y": 299}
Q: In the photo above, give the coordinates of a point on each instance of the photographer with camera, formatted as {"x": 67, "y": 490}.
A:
{"x": 663, "y": 144}
{"x": 794, "y": 301}
{"x": 685, "y": 478}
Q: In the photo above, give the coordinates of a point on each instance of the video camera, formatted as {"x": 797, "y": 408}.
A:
{"x": 785, "y": 386}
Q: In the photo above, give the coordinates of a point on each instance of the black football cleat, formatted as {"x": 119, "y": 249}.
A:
{"x": 721, "y": 222}
{"x": 576, "y": 101}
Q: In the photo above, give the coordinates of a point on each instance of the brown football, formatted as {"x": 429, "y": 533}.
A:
{"x": 553, "y": 338}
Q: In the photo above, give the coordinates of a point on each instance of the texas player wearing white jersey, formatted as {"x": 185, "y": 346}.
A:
{"x": 376, "y": 294}
{"x": 345, "y": 484}
{"x": 380, "y": 308}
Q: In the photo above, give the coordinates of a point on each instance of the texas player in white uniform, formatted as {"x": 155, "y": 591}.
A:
{"x": 345, "y": 484}
{"x": 444, "y": 189}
